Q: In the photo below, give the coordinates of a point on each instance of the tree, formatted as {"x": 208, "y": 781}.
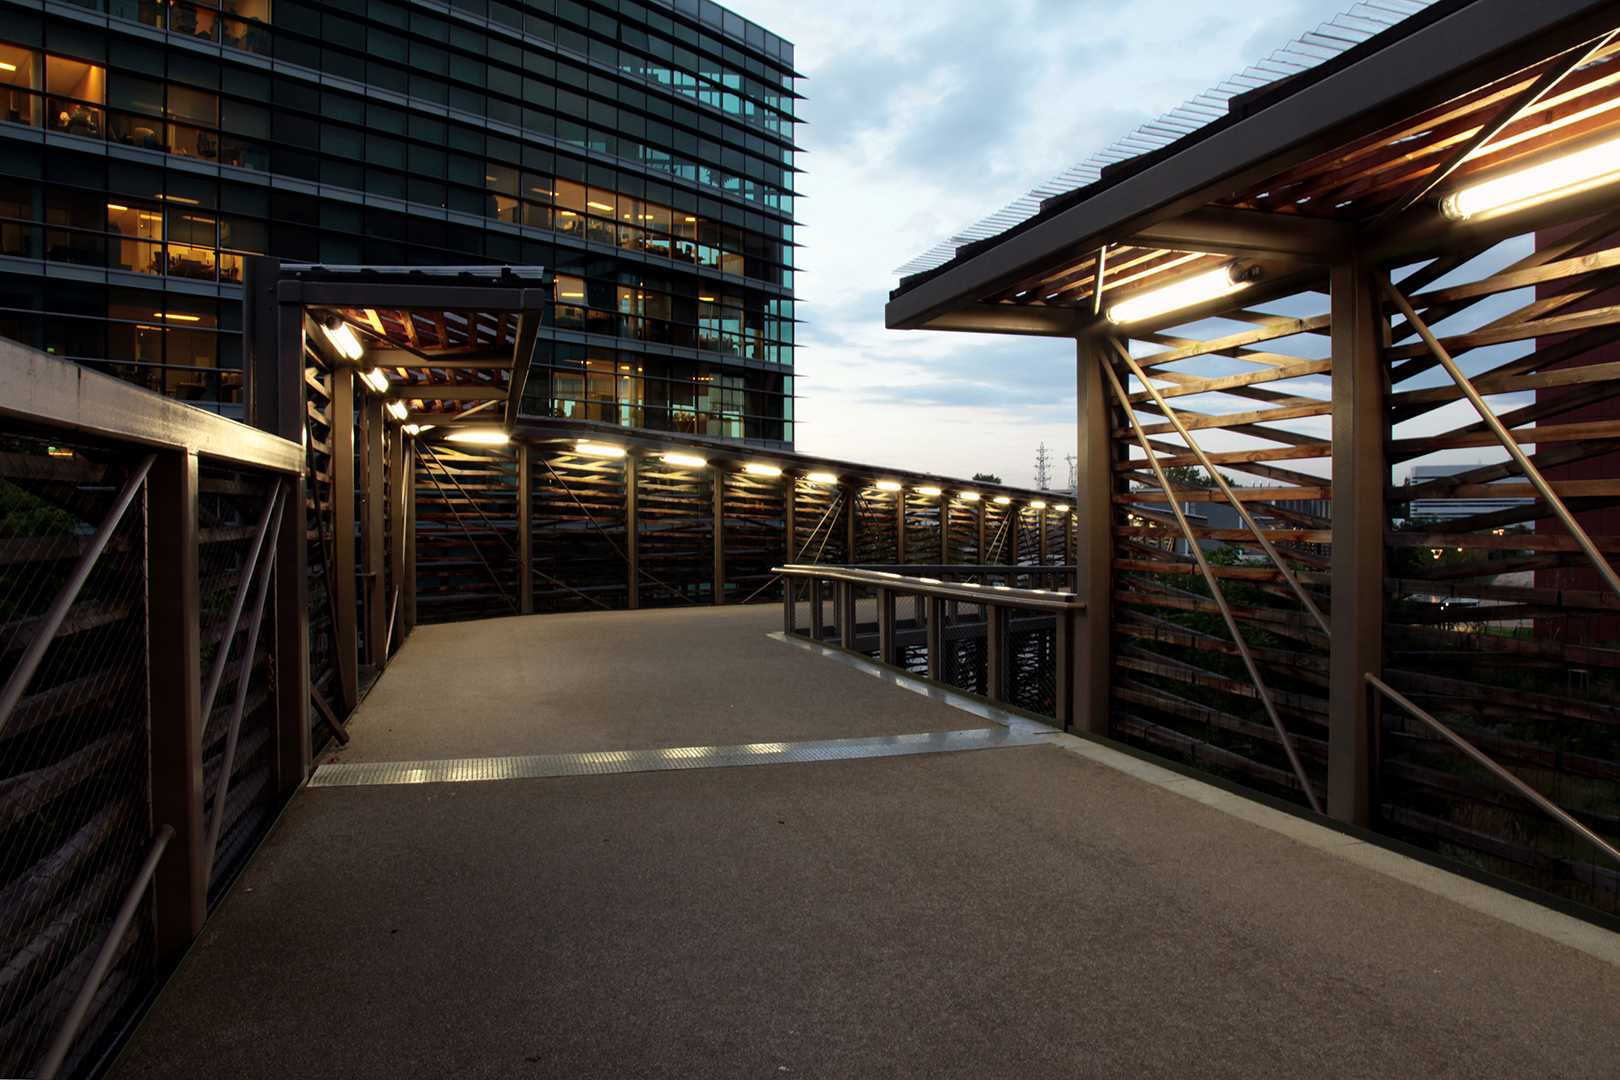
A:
{"x": 986, "y": 478}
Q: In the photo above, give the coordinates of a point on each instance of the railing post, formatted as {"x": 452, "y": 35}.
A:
{"x": 174, "y": 668}
{"x": 818, "y": 620}
{"x": 525, "y": 516}
{"x": 1094, "y": 542}
{"x": 718, "y": 488}
{"x": 936, "y": 638}
{"x": 345, "y": 641}
{"x": 1360, "y": 473}
{"x": 1063, "y": 660}
{"x": 632, "y": 529}
{"x": 885, "y": 625}
{"x": 846, "y": 613}
{"x": 790, "y": 613}
{"x": 291, "y": 638}
{"x": 995, "y": 652}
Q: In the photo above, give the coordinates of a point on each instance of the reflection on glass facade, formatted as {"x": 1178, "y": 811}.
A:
{"x": 640, "y": 149}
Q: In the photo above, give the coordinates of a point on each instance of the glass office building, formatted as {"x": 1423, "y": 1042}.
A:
{"x": 642, "y": 150}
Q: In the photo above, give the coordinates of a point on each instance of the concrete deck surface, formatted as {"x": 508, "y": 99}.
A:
{"x": 1021, "y": 912}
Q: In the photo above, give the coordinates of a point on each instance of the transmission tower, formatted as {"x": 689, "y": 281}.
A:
{"x": 1043, "y": 468}
{"x": 1074, "y": 477}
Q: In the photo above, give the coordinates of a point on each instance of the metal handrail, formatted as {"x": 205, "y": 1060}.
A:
{"x": 995, "y": 595}
{"x": 1553, "y": 810}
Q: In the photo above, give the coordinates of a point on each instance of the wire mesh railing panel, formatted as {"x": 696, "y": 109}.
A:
{"x": 466, "y": 533}
{"x": 75, "y": 820}
{"x": 755, "y": 519}
{"x": 1497, "y": 623}
{"x": 675, "y": 534}
{"x": 580, "y": 547}
{"x": 1032, "y": 662}
{"x": 964, "y": 644}
{"x": 818, "y": 523}
{"x": 234, "y": 516}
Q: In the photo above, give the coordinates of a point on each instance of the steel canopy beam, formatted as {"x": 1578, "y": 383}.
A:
{"x": 446, "y": 297}
{"x": 982, "y": 318}
{"x": 1472, "y": 46}
{"x": 1252, "y": 233}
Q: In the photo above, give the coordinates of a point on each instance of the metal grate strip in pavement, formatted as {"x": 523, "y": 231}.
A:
{"x": 366, "y": 773}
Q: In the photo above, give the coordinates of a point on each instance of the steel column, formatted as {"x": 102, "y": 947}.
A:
{"x": 717, "y": 480}
{"x": 900, "y": 526}
{"x": 1360, "y": 474}
{"x": 407, "y": 455}
{"x": 851, "y": 494}
{"x": 1094, "y": 514}
{"x": 981, "y": 559}
{"x": 790, "y": 501}
{"x": 345, "y": 640}
{"x": 525, "y": 516}
{"x": 373, "y": 529}
{"x": 174, "y": 667}
{"x": 632, "y": 527}
{"x": 818, "y": 614}
{"x": 944, "y": 527}
{"x": 291, "y": 636}
{"x": 1040, "y": 523}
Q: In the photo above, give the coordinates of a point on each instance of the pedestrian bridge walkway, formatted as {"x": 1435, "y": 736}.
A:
{"x": 667, "y": 843}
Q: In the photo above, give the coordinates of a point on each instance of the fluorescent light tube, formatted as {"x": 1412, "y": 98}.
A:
{"x": 1193, "y": 290}
{"x": 375, "y": 379}
{"x": 484, "y": 438}
{"x": 1561, "y": 176}
{"x": 822, "y": 478}
{"x": 685, "y": 459}
{"x": 397, "y": 410}
{"x": 598, "y": 450}
{"x": 887, "y": 485}
{"x": 761, "y": 470}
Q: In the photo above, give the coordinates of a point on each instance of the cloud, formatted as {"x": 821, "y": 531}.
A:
{"x": 924, "y": 116}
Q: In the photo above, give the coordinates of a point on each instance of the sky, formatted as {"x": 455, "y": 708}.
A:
{"x": 920, "y": 118}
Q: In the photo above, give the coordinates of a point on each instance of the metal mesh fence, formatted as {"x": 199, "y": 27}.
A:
{"x": 234, "y": 512}
{"x": 74, "y": 790}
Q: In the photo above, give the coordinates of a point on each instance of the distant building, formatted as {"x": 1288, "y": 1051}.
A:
{"x": 641, "y": 150}
{"x": 1452, "y": 509}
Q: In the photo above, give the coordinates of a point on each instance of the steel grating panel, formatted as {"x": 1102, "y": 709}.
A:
{"x": 368, "y": 773}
